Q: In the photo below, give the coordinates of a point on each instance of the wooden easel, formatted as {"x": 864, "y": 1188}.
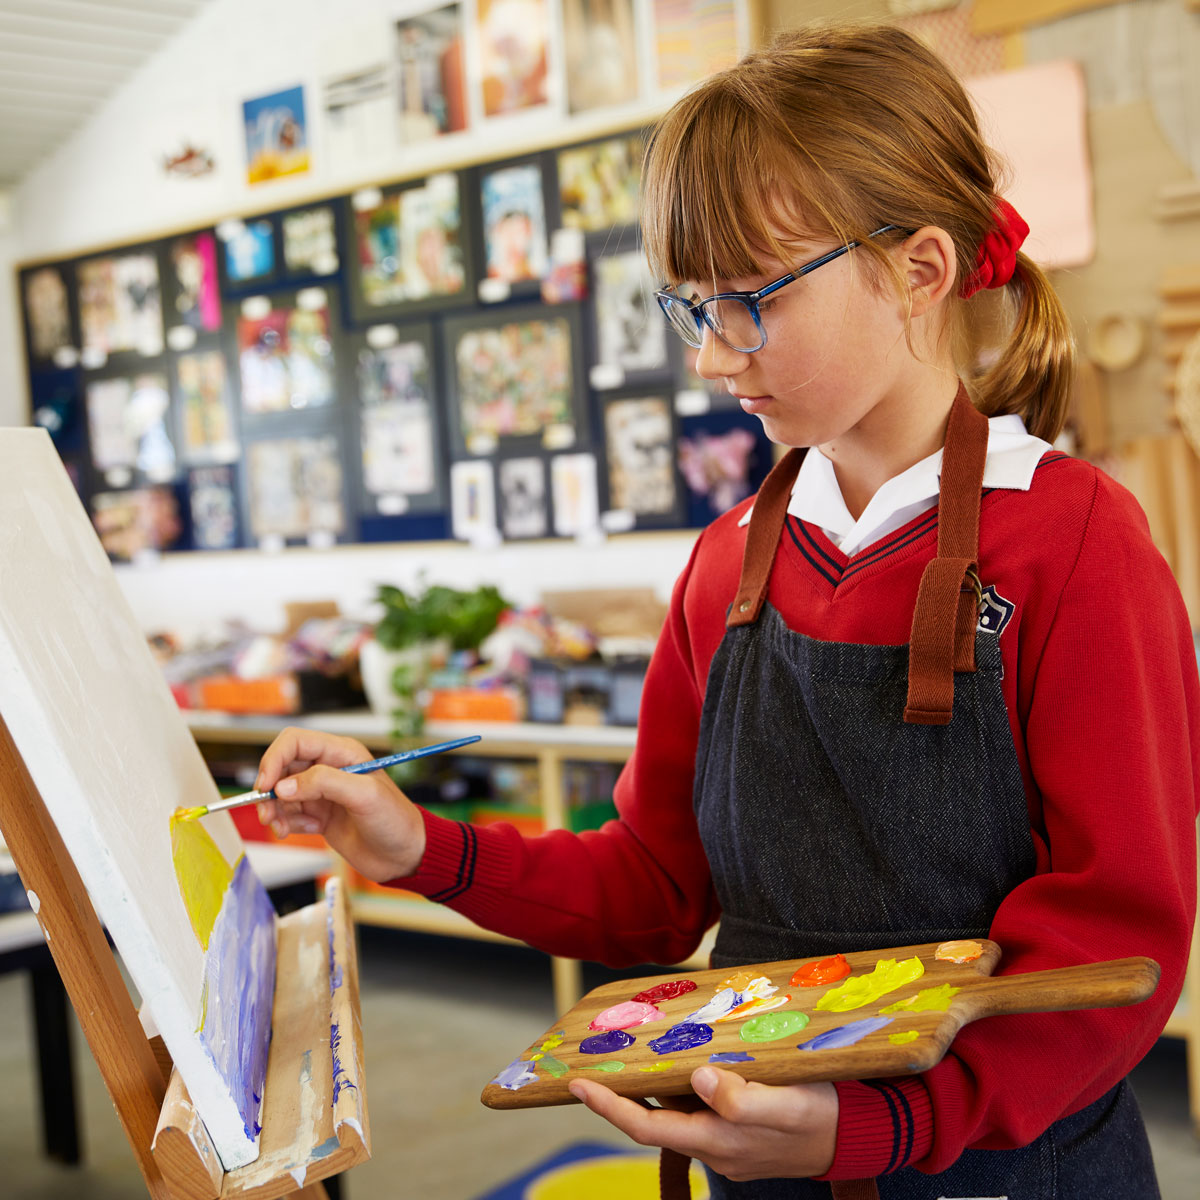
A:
{"x": 314, "y": 1117}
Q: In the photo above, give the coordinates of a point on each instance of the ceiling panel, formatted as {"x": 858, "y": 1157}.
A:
{"x": 59, "y": 60}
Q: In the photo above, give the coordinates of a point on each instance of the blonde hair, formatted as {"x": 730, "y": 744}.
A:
{"x": 856, "y": 127}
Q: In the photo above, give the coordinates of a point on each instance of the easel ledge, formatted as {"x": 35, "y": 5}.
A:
{"x": 314, "y": 1102}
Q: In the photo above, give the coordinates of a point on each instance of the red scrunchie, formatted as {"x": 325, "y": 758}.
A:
{"x": 997, "y": 257}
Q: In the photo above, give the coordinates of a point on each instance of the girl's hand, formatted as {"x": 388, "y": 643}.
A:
{"x": 747, "y": 1130}
{"x": 367, "y": 819}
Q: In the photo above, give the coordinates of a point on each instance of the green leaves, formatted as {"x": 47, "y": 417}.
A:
{"x": 464, "y": 618}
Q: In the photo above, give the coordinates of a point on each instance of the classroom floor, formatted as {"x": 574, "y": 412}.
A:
{"x": 440, "y": 1016}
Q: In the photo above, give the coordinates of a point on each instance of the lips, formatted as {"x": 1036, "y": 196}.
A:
{"x": 754, "y": 404}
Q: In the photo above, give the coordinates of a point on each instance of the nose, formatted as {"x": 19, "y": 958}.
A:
{"x": 715, "y": 360}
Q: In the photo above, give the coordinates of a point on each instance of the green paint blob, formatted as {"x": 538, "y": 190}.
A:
{"x": 605, "y": 1066}
{"x": 771, "y": 1027}
{"x": 902, "y": 1039}
{"x": 927, "y": 1000}
{"x": 549, "y": 1063}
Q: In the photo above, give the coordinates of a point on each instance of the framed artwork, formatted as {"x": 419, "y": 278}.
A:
{"x": 295, "y": 490}
{"x": 276, "y": 135}
{"x": 599, "y": 183}
{"x": 693, "y": 39}
{"x": 723, "y": 457}
{"x": 630, "y": 333}
{"x": 575, "y": 494}
{"x": 285, "y": 351}
{"x": 523, "y": 509}
{"x": 213, "y": 507}
{"x": 204, "y": 402}
{"x": 57, "y": 405}
{"x": 129, "y": 428}
{"x": 473, "y": 501}
{"x": 411, "y": 249}
{"x": 515, "y": 239}
{"x": 137, "y": 522}
{"x": 513, "y": 37}
{"x": 601, "y": 50}
{"x": 515, "y": 380}
{"x": 399, "y": 434}
{"x": 50, "y": 337}
{"x": 192, "y": 293}
{"x": 249, "y": 256}
{"x": 309, "y": 237}
{"x": 120, "y": 306}
{"x": 431, "y": 74}
{"x": 639, "y": 442}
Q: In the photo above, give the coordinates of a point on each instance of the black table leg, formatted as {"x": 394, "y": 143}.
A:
{"x": 56, "y": 1075}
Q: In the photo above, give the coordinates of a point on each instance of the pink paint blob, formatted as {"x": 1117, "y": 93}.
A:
{"x": 625, "y": 1016}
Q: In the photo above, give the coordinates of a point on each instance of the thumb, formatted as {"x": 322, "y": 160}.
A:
{"x": 723, "y": 1091}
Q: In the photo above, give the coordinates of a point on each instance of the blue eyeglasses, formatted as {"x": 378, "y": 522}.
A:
{"x": 734, "y": 316}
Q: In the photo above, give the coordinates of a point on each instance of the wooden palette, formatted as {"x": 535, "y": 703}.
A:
{"x": 646, "y": 1073}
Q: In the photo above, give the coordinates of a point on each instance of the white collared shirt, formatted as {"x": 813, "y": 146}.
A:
{"x": 1012, "y": 457}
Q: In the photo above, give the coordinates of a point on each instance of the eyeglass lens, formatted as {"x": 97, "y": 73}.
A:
{"x": 731, "y": 320}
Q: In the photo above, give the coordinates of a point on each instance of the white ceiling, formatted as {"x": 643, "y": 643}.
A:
{"x": 60, "y": 59}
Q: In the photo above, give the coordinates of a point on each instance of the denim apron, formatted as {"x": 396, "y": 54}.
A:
{"x": 842, "y": 809}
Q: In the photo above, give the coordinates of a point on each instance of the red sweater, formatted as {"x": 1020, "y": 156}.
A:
{"x": 1101, "y": 686}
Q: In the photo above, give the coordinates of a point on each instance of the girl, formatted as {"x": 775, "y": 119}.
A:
{"x": 932, "y": 682}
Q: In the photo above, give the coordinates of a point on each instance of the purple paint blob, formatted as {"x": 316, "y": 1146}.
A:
{"x": 682, "y": 1037}
{"x": 607, "y": 1043}
{"x": 845, "y": 1035}
{"x": 516, "y": 1075}
{"x": 731, "y": 1056}
{"x": 340, "y": 1078}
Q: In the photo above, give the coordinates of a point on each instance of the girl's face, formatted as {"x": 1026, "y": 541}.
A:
{"x": 836, "y": 359}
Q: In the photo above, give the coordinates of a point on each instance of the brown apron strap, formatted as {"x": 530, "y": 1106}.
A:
{"x": 944, "y": 621}
{"x": 762, "y": 538}
{"x": 855, "y": 1189}
{"x": 673, "y": 1181}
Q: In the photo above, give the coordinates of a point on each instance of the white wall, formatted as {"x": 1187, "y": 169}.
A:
{"x": 105, "y": 185}
{"x": 14, "y": 396}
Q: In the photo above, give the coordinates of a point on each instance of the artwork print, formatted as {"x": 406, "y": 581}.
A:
{"x": 213, "y": 504}
{"x": 136, "y": 522}
{"x": 723, "y": 457}
{"x": 310, "y": 242}
{"x": 574, "y": 492}
{"x": 473, "y": 500}
{"x": 601, "y": 52}
{"x": 206, "y": 419}
{"x": 128, "y": 425}
{"x": 112, "y": 758}
{"x": 120, "y": 306}
{"x": 514, "y": 380}
{"x": 630, "y": 331}
{"x": 285, "y": 359}
{"x": 598, "y": 185}
{"x": 431, "y": 74}
{"x": 514, "y": 41}
{"x": 47, "y": 312}
{"x": 250, "y": 252}
{"x": 640, "y": 444}
{"x": 523, "y": 498}
{"x": 397, "y": 420}
{"x": 197, "y": 299}
{"x": 296, "y": 488}
{"x": 276, "y": 135}
{"x": 514, "y": 223}
{"x": 693, "y": 39}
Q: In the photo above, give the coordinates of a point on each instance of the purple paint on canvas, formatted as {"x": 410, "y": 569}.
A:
{"x": 731, "y": 1056}
{"x": 607, "y": 1043}
{"x": 516, "y": 1075}
{"x": 845, "y": 1035}
{"x": 682, "y": 1037}
{"x": 340, "y": 1078}
{"x": 239, "y": 977}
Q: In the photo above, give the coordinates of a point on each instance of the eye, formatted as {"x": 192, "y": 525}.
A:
{"x": 766, "y": 305}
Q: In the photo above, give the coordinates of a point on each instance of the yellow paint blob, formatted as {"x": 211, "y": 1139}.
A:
{"x": 739, "y": 981}
{"x": 902, "y": 1039}
{"x": 630, "y": 1176}
{"x": 658, "y": 1066}
{"x": 553, "y": 1042}
{"x": 865, "y": 989}
{"x": 204, "y": 875}
{"x": 929, "y": 1000}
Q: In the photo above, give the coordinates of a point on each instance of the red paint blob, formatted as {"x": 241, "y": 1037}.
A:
{"x": 665, "y": 991}
{"x": 822, "y": 971}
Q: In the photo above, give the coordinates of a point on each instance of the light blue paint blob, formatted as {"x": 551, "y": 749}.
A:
{"x": 325, "y": 1149}
{"x": 845, "y": 1035}
{"x": 516, "y": 1075}
{"x": 731, "y": 1056}
{"x": 685, "y": 1036}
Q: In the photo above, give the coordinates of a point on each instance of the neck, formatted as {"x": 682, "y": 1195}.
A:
{"x": 898, "y": 432}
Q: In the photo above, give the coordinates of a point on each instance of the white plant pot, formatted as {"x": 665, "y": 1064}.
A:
{"x": 378, "y": 666}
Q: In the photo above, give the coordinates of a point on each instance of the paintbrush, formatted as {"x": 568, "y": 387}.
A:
{"x": 376, "y": 764}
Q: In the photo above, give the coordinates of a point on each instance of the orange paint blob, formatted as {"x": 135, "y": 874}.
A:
{"x": 958, "y": 952}
{"x": 822, "y": 971}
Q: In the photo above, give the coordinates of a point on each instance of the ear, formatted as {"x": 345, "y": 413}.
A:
{"x": 930, "y": 265}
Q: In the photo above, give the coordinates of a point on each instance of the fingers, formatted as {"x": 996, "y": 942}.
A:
{"x": 685, "y": 1132}
{"x": 294, "y": 749}
{"x": 743, "y": 1103}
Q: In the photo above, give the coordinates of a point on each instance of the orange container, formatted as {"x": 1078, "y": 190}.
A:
{"x": 277, "y": 694}
{"x": 474, "y": 704}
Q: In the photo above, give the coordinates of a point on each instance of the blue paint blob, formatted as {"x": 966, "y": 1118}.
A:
{"x": 845, "y": 1035}
{"x": 516, "y": 1075}
{"x": 682, "y": 1037}
{"x": 608, "y": 1042}
{"x": 731, "y": 1056}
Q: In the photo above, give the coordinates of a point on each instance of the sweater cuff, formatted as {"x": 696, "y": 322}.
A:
{"x": 451, "y": 863}
{"x": 883, "y": 1124}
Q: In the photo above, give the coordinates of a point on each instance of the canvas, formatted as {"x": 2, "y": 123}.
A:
{"x": 105, "y": 744}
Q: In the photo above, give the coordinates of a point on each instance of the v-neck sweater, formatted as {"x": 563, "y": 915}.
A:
{"x": 1100, "y": 683}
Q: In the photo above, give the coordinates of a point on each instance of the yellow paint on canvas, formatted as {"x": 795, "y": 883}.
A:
{"x": 630, "y": 1176}
{"x": 865, "y": 989}
{"x": 204, "y": 875}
